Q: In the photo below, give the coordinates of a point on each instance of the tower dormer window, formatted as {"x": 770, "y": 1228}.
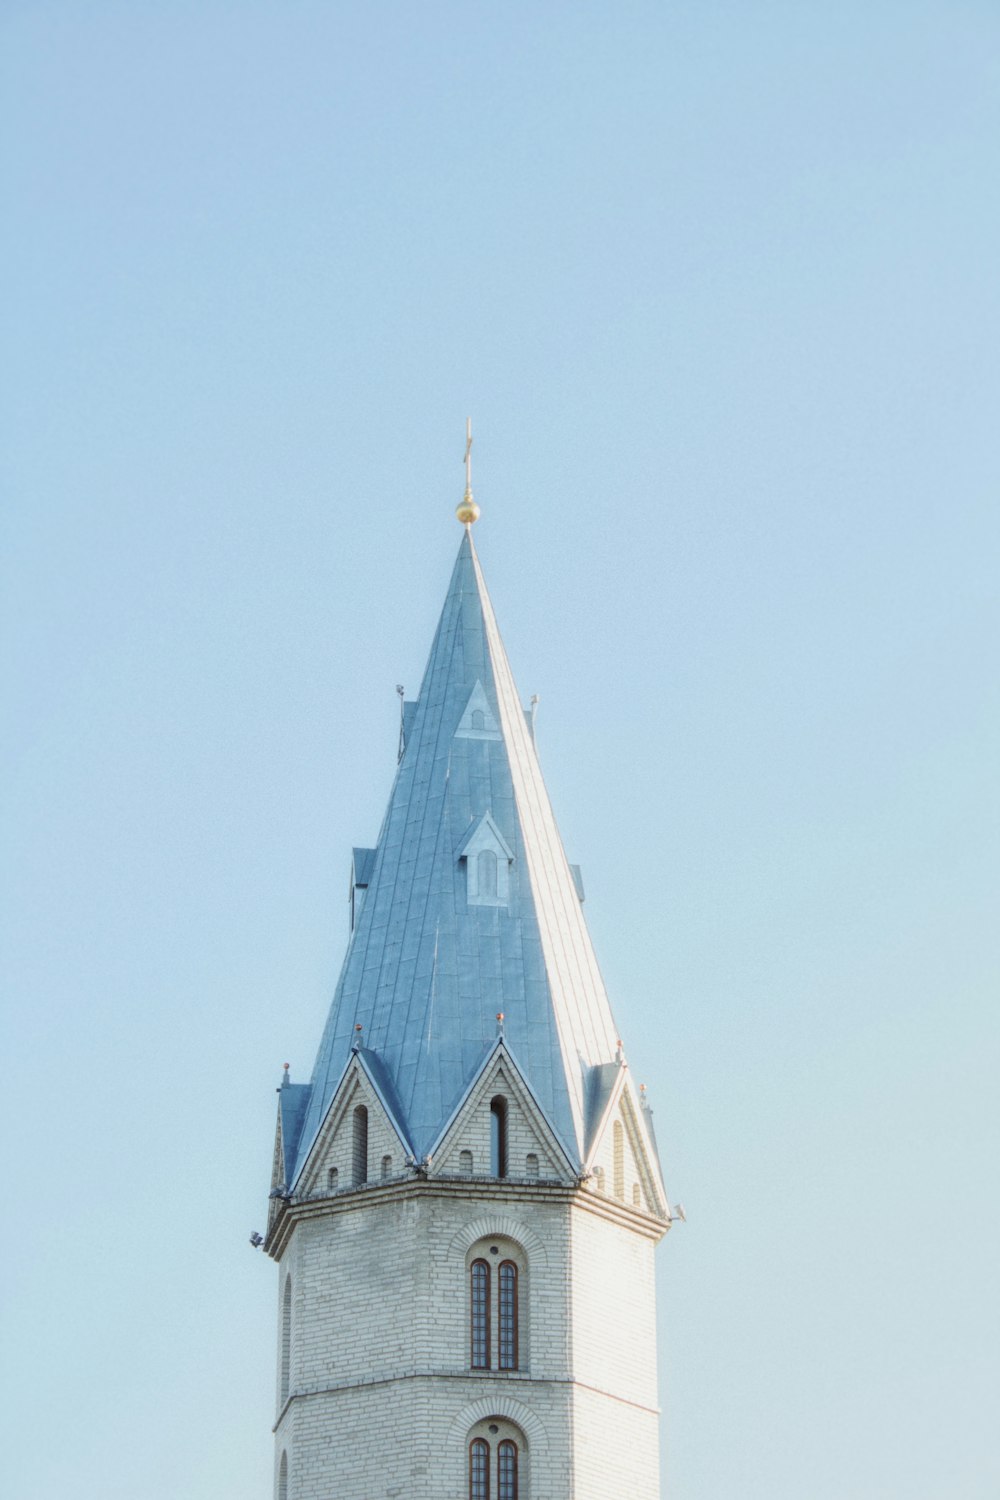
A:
{"x": 359, "y": 1147}
{"x": 487, "y": 858}
{"x": 498, "y": 1136}
{"x": 487, "y": 873}
{"x": 618, "y": 1158}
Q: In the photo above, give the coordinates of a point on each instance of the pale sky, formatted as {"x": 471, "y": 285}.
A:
{"x": 718, "y": 285}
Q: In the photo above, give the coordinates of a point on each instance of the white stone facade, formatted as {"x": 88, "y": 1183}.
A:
{"x": 381, "y": 1397}
{"x": 376, "y": 1391}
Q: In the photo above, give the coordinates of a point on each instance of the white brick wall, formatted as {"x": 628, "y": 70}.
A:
{"x": 381, "y": 1396}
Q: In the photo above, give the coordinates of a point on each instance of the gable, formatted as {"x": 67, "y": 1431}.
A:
{"x": 478, "y": 721}
{"x": 621, "y": 1161}
{"x": 533, "y": 1150}
{"x": 331, "y": 1164}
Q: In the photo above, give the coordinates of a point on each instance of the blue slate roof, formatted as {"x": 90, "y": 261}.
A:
{"x": 428, "y": 967}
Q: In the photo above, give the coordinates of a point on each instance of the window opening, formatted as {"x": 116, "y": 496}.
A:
{"x": 359, "y": 1155}
{"x": 386, "y": 1167}
{"x": 479, "y": 1469}
{"x": 332, "y": 1179}
{"x": 599, "y": 1179}
{"x": 283, "y": 1478}
{"x": 498, "y": 1136}
{"x": 286, "y": 1338}
{"x": 478, "y": 720}
{"x": 619, "y": 1159}
{"x": 507, "y": 1346}
{"x": 507, "y": 1470}
{"x": 487, "y": 863}
{"x": 531, "y": 1165}
{"x": 465, "y": 1163}
{"x": 480, "y": 1314}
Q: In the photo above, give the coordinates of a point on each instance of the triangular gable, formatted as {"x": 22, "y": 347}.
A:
{"x": 484, "y": 834}
{"x": 499, "y": 1063}
{"x": 364, "y": 1081}
{"x": 478, "y": 722}
{"x": 611, "y": 1096}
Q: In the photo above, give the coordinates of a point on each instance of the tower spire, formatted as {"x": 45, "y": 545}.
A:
{"x": 468, "y": 511}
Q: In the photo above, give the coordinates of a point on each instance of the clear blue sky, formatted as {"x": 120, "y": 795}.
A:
{"x": 718, "y": 284}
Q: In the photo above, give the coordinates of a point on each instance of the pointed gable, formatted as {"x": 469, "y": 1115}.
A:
{"x": 428, "y": 968}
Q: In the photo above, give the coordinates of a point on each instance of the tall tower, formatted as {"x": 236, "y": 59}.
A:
{"x": 466, "y": 1196}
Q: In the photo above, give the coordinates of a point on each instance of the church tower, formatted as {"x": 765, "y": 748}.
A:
{"x": 466, "y": 1196}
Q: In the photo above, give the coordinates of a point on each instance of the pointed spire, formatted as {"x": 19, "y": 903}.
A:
{"x": 472, "y": 909}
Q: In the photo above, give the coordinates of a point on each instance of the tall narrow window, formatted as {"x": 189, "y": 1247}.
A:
{"x": 478, "y": 720}
{"x": 498, "y": 1136}
{"x": 507, "y": 1343}
{"x": 386, "y": 1167}
{"x": 283, "y": 1478}
{"x": 286, "y": 1338}
{"x": 480, "y": 1314}
{"x": 618, "y": 1137}
{"x": 479, "y": 1469}
{"x": 487, "y": 866}
{"x": 359, "y": 1155}
{"x": 531, "y": 1165}
{"x": 465, "y": 1163}
{"x": 507, "y": 1470}
{"x": 332, "y": 1180}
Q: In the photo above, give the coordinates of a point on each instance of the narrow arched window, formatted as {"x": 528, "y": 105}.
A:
{"x": 283, "y": 1477}
{"x": 286, "y": 1339}
{"x": 507, "y": 1340}
{"x": 332, "y": 1180}
{"x": 599, "y": 1179}
{"x": 507, "y": 1470}
{"x": 618, "y": 1136}
{"x": 498, "y": 1136}
{"x": 487, "y": 872}
{"x": 531, "y": 1165}
{"x": 478, "y": 720}
{"x": 359, "y": 1154}
{"x": 386, "y": 1167}
{"x": 465, "y": 1163}
{"x": 479, "y": 1469}
{"x": 479, "y": 1315}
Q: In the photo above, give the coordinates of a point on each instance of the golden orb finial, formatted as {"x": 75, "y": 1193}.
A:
{"x": 468, "y": 511}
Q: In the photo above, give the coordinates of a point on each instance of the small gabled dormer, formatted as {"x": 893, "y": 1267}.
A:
{"x": 478, "y": 722}
{"x": 362, "y": 863}
{"x": 487, "y": 857}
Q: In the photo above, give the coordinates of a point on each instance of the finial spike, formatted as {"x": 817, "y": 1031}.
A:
{"x": 468, "y": 511}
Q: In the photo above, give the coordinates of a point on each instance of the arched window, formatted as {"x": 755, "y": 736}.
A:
{"x": 507, "y": 1470}
{"x": 497, "y": 1455}
{"x": 465, "y": 1163}
{"x": 498, "y": 1136}
{"x": 478, "y": 720}
{"x": 332, "y": 1180}
{"x": 286, "y": 1339}
{"x": 479, "y": 1469}
{"x": 599, "y": 1179}
{"x": 497, "y": 1268}
{"x": 479, "y": 1317}
{"x": 359, "y": 1154}
{"x": 386, "y": 1167}
{"x": 283, "y": 1477}
{"x": 618, "y": 1137}
{"x": 507, "y": 1321}
{"x": 487, "y": 861}
{"x": 531, "y": 1165}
